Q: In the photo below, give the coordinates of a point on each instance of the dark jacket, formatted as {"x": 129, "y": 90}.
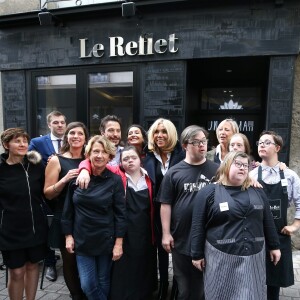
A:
{"x": 150, "y": 162}
{"x": 23, "y": 222}
{"x": 95, "y": 216}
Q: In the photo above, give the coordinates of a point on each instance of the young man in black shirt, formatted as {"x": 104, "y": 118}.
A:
{"x": 177, "y": 193}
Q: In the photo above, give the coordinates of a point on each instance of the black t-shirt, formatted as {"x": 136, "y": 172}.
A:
{"x": 179, "y": 189}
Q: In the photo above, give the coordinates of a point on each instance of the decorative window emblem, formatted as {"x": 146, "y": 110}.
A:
{"x": 231, "y": 105}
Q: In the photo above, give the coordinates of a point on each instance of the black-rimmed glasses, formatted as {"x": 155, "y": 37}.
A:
{"x": 198, "y": 142}
{"x": 265, "y": 143}
{"x": 239, "y": 165}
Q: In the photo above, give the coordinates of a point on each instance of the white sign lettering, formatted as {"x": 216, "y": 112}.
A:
{"x": 118, "y": 47}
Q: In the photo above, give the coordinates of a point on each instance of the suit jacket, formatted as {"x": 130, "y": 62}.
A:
{"x": 43, "y": 145}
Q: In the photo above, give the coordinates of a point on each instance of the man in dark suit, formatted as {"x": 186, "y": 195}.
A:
{"x": 48, "y": 145}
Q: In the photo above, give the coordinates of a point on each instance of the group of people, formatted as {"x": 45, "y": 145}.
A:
{"x": 118, "y": 212}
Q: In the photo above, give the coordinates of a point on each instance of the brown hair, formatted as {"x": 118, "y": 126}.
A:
{"x": 106, "y": 119}
{"x": 65, "y": 145}
{"x": 55, "y": 113}
{"x": 245, "y": 141}
{"x": 11, "y": 133}
{"x": 190, "y": 132}
{"x": 277, "y": 138}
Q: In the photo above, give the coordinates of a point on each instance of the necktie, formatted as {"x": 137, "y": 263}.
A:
{"x": 59, "y": 144}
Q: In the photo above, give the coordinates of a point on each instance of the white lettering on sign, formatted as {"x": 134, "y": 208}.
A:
{"x": 118, "y": 47}
{"x": 244, "y": 126}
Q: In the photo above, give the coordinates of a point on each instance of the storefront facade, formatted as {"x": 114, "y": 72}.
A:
{"x": 194, "y": 62}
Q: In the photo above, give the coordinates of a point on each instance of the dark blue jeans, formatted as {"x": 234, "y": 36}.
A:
{"x": 94, "y": 273}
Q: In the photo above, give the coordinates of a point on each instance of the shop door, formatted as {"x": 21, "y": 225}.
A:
{"x": 241, "y": 104}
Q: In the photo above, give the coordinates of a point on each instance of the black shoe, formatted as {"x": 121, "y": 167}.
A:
{"x": 163, "y": 290}
{"x": 51, "y": 273}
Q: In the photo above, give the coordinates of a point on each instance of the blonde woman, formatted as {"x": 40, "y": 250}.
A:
{"x": 164, "y": 151}
{"x": 225, "y": 130}
{"x": 94, "y": 220}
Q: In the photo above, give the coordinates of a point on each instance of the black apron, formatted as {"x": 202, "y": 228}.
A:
{"x": 132, "y": 275}
{"x": 281, "y": 275}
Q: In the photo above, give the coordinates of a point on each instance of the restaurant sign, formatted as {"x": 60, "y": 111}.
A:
{"x": 145, "y": 45}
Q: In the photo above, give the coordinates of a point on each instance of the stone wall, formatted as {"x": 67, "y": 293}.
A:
{"x": 295, "y": 140}
{"x": 8, "y": 7}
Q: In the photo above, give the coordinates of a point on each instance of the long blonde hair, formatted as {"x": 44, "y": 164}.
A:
{"x": 223, "y": 171}
{"x": 172, "y": 135}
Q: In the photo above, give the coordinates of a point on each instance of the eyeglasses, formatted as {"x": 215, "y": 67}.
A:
{"x": 198, "y": 142}
{"x": 266, "y": 143}
{"x": 239, "y": 165}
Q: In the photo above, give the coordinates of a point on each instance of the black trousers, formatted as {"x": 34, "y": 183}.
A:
{"x": 273, "y": 292}
{"x": 189, "y": 279}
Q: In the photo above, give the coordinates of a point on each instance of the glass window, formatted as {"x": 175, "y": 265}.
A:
{"x": 55, "y": 93}
{"x": 248, "y": 98}
{"x": 110, "y": 94}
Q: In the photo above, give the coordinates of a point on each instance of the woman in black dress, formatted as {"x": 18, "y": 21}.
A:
{"x": 60, "y": 170}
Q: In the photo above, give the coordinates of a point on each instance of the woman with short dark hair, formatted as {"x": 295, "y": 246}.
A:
{"x": 23, "y": 226}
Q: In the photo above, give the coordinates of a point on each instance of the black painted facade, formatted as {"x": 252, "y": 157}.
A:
{"x": 203, "y": 30}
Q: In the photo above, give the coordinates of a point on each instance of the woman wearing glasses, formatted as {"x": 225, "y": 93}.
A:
{"x": 231, "y": 226}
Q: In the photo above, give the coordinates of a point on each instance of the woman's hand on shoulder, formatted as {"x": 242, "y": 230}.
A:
{"x": 50, "y": 157}
{"x": 73, "y": 173}
{"x": 255, "y": 183}
{"x": 83, "y": 179}
{"x": 283, "y": 166}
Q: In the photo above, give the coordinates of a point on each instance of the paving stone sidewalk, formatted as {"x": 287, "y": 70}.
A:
{"x": 58, "y": 289}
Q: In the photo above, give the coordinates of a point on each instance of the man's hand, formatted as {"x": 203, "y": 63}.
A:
{"x": 118, "y": 249}
{"x": 199, "y": 264}
{"x": 70, "y": 243}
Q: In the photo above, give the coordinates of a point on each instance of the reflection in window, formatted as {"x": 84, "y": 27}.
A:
{"x": 55, "y": 93}
{"x": 231, "y": 98}
{"x": 110, "y": 94}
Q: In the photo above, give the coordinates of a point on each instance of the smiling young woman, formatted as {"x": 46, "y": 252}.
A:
{"x": 60, "y": 170}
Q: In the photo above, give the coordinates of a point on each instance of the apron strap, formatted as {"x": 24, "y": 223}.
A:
{"x": 284, "y": 188}
{"x": 259, "y": 174}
